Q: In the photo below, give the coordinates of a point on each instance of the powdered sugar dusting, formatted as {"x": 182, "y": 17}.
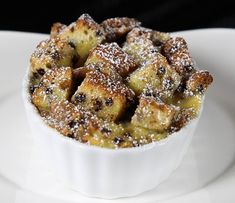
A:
{"x": 118, "y": 27}
{"x": 155, "y": 111}
{"x": 112, "y": 86}
{"x": 49, "y": 48}
{"x": 141, "y": 49}
{"x": 113, "y": 54}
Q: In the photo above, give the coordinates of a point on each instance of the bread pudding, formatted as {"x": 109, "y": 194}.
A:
{"x": 115, "y": 84}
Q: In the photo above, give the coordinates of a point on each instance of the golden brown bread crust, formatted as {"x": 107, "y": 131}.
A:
{"x": 56, "y": 28}
{"x": 118, "y": 27}
{"x": 173, "y": 45}
{"x": 199, "y": 82}
{"x": 141, "y": 49}
{"x": 112, "y": 54}
{"x": 84, "y": 34}
{"x": 103, "y": 95}
{"x": 55, "y": 84}
{"x": 152, "y": 113}
{"x": 182, "y": 62}
{"x": 72, "y": 121}
{"x": 51, "y": 53}
{"x": 106, "y": 68}
{"x": 114, "y": 87}
{"x": 156, "y": 74}
{"x": 177, "y": 53}
{"x": 181, "y": 118}
{"x": 158, "y": 38}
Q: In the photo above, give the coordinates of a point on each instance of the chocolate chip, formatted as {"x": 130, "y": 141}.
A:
{"x": 74, "y": 60}
{"x": 201, "y": 89}
{"x": 98, "y": 33}
{"x": 55, "y": 55}
{"x": 72, "y": 124}
{"x": 157, "y": 43}
{"x": 105, "y": 130}
{"x": 32, "y": 88}
{"x": 153, "y": 50}
{"x": 97, "y": 68}
{"x": 85, "y": 32}
{"x": 161, "y": 70}
{"x": 109, "y": 102}
{"x": 48, "y": 65}
{"x": 72, "y": 44}
{"x": 97, "y": 105}
{"x": 111, "y": 84}
{"x": 181, "y": 88}
{"x": 41, "y": 84}
{"x": 118, "y": 140}
{"x": 150, "y": 93}
{"x": 36, "y": 75}
{"x": 173, "y": 49}
{"x": 41, "y": 71}
{"x": 72, "y": 29}
{"x": 48, "y": 90}
{"x": 81, "y": 121}
{"x": 168, "y": 84}
{"x": 81, "y": 97}
{"x": 127, "y": 134}
{"x": 188, "y": 68}
{"x": 136, "y": 143}
{"x": 71, "y": 135}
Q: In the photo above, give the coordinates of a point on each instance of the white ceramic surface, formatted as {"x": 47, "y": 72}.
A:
{"x": 207, "y": 173}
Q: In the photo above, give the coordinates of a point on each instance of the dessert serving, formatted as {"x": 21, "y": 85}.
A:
{"x": 115, "y": 84}
{"x": 113, "y": 106}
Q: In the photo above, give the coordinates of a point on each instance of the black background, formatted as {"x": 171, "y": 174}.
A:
{"x": 168, "y": 15}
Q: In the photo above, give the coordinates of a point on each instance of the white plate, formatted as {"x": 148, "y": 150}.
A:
{"x": 207, "y": 173}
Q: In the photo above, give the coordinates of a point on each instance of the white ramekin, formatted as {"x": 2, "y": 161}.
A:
{"x": 107, "y": 173}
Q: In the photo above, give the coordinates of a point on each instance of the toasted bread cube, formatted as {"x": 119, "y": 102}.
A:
{"x": 182, "y": 62}
{"x": 153, "y": 114}
{"x": 199, "y": 82}
{"x": 158, "y": 38}
{"x": 172, "y": 45}
{"x": 181, "y": 118}
{"x": 113, "y": 55}
{"x": 56, "y": 29}
{"x": 176, "y": 52}
{"x": 75, "y": 122}
{"x": 103, "y": 96}
{"x": 41, "y": 100}
{"x": 52, "y": 53}
{"x": 56, "y": 84}
{"x": 85, "y": 34}
{"x": 158, "y": 74}
{"x": 70, "y": 120}
{"x": 141, "y": 49}
{"x": 105, "y": 68}
{"x": 116, "y": 28}
{"x": 139, "y": 32}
